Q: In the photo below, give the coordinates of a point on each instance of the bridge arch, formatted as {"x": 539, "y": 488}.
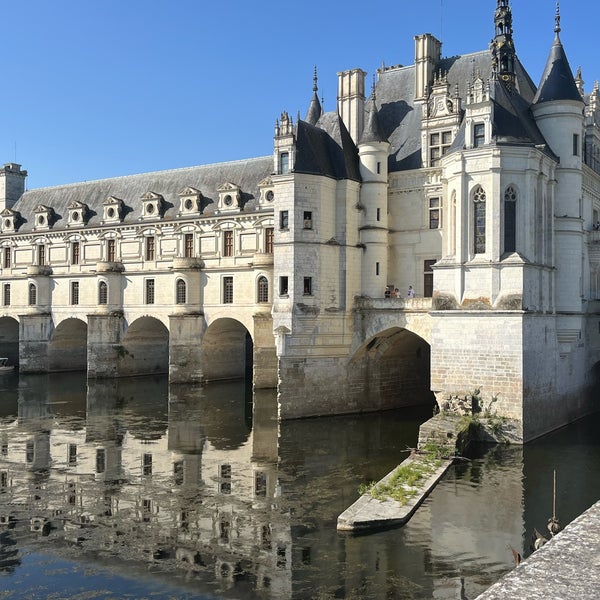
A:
{"x": 9, "y": 339}
{"x": 227, "y": 349}
{"x": 145, "y": 348}
{"x": 67, "y": 350}
{"x": 393, "y": 369}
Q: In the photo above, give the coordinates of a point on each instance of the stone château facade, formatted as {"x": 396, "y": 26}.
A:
{"x": 457, "y": 176}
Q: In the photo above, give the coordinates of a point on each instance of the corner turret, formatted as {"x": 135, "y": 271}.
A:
{"x": 12, "y": 184}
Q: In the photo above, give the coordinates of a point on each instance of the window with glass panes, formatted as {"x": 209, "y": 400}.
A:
{"x": 263, "y": 289}
{"x": 75, "y": 253}
{"x": 428, "y": 277}
{"x": 6, "y": 294}
{"x": 110, "y": 250}
{"x": 228, "y": 242}
{"x": 479, "y": 220}
{"x": 41, "y": 255}
{"x": 439, "y": 142}
{"x": 227, "y": 290}
{"x": 188, "y": 245}
{"x": 74, "y": 292}
{"x": 434, "y": 213}
{"x": 269, "y": 236}
{"x": 102, "y": 293}
{"x": 150, "y": 248}
{"x": 180, "y": 292}
{"x": 32, "y": 295}
{"x": 6, "y": 258}
{"x": 510, "y": 220}
{"x": 149, "y": 291}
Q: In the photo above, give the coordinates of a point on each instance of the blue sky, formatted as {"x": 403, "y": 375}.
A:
{"x": 100, "y": 89}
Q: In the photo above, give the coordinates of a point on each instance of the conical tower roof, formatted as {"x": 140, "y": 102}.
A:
{"x": 314, "y": 110}
{"x": 372, "y": 131}
{"x": 557, "y": 81}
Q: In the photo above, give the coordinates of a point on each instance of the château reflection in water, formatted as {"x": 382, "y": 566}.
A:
{"x": 189, "y": 492}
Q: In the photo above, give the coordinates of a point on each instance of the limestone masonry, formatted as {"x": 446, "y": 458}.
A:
{"x": 456, "y": 176}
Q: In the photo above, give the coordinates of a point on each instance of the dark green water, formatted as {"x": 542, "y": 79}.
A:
{"x": 134, "y": 489}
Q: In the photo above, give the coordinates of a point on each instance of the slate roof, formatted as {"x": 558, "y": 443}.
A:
{"x": 207, "y": 178}
{"x": 557, "y": 81}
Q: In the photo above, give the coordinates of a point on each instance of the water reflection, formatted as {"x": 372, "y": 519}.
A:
{"x": 203, "y": 489}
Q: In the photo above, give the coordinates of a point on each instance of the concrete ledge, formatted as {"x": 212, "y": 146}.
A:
{"x": 567, "y": 567}
{"x": 368, "y": 513}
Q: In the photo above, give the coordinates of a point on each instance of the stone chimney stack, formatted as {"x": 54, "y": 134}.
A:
{"x": 12, "y": 184}
{"x": 428, "y": 52}
{"x": 351, "y": 101}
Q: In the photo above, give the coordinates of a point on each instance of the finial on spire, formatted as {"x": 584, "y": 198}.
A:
{"x": 557, "y": 18}
{"x": 315, "y": 79}
{"x": 373, "y": 87}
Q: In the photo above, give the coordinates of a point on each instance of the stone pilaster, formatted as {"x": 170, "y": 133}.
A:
{"x": 34, "y": 340}
{"x": 264, "y": 355}
{"x": 185, "y": 347}
{"x": 104, "y": 345}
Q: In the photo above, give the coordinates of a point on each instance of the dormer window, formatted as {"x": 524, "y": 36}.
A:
{"x": 189, "y": 201}
{"x": 113, "y": 210}
{"x": 267, "y": 194}
{"x": 478, "y": 135}
{"x": 44, "y": 217}
{"x": 153, "y": 205}
{"x": 284, "y": 163}
{"x": 229, "y": 197}
{"x": 78, "y": 212}
{"x": 9, "y": 220}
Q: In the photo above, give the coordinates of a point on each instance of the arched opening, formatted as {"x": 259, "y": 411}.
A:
{"x": 227, "y": 351}
{"x": 9, "y": 340}
{"x": 68, "y": 347}
{"x": 393, "y": 369}
{"x": 145, "y": 348}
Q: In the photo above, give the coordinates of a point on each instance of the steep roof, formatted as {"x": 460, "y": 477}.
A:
{"x": 207, "y": 178}
{"x": 326, "y": 149}
{"x": 372, "y": 131}
{"x": 557, "y": 81}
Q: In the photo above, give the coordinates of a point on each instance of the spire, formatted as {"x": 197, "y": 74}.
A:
{"x": 502, "y": 46}
{"x": 557, "y": 81}
{"x": 372, "y": 131}
{"x": 314, "y": 110}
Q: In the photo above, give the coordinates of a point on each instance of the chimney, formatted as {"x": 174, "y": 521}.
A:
{"x": 12, "y": 184}
{"x": 351, "y": 101}
{"x": 428, "y": 52}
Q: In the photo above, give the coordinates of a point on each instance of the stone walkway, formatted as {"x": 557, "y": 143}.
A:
{"x": 566, "y": 568}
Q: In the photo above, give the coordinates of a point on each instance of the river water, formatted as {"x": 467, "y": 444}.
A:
{"x": 138, "y": 489}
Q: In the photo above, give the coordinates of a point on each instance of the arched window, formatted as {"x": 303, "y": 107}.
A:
{"x": 32, "y": 294}
{"x": 263, "y": 289}
{"x": 180, "y": 292}
{"x": 102, "y": 293}
{"x": 478, "y": 220}
{"x": 510, "y": 219}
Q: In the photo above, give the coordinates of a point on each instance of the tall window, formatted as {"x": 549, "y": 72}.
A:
{"x": 479, "y": 220}
{"x": 110, "y": 250}
{"x": 72, "y": 454}
{"x": 32, "y": 296}
{"x": 263, "y": 289}
{"x": 283, "y": 219}
{"x": 478, "y": 135}
{"x": 102, "y": 293}
{"x": 75, "y": 253}
{"x": 180, "y": 292}
{"x": 428, "y": 278}
{"x": 434, "y": 213}
{"x": 100, "y": 460}
{"x": 308, "y": 286}
{"x": 225, "y": 476}
{"x": 269, "y": 235}
{"x": 227, "y": 290}
{"x": 228, "y": 242}
{"x": 188, "y": 245}
{"x": 575, "y": 144}
{"x": 150, "y": 248}
{"x": 149, "y": 291}
{"x": 308, "y": 222}
{"x": 284, "y": 162}
{"x": 439, "y": 143}
{"x": 510, "y": 220}
{"x": 74, "y": 292}
{"x": 178, "y": 472}
{"x": 6, "y": 258}
{"x": 283, "y": 285}
{"x": 41, "y": 255}
{"x": 147, "y": 464}
{"x": 6, "y": 294}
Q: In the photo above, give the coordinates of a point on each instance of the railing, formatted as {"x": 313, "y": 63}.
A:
{"x": 593, "y": 237}
{"x": 416, "y": 304}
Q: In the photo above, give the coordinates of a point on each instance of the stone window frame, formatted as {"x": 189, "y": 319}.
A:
{"x": 6, "y": 257}
{"x": 227, "y": 288}
{"x": 509, "y": 221}
{"x": 434, "y": 212}
{"x": 180, "y": 291}
{"x": 479, "y": 223}
{"x": 149, "y": 290}
{"x": 439, "y": 143}
{"x": 6, "y": 294}
{"x": 74, "y": 293}
{"x": 102, "y": 292}
{"x": 262, "y": 289}
{"x": 32, "y": 294}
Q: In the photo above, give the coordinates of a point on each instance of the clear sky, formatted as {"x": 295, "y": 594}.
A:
{"x": 94, "y": 89}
